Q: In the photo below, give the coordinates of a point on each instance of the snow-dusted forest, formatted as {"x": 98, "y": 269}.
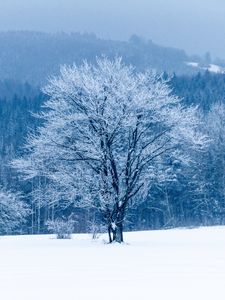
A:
{"x": 107, "y": 133}
{"x": 104, "y": 147}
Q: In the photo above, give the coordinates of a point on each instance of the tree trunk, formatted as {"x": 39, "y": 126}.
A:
{"x": 115, "y": 225}
{"x": 118, "y": 233}
{"x": 109, "y": 233}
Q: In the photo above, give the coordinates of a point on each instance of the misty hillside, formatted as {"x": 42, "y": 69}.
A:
{"x": 33, "y": 56}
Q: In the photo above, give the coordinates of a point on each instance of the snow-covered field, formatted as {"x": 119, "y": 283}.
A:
{"x": 211, "y": 67}
{"x": 172, "y": 264}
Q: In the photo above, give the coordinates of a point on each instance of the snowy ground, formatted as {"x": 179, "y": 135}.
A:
{"x": 172, "y": 264}
{"x": 211, "y": 67}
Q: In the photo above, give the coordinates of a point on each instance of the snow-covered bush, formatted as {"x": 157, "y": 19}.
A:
{"x": 62, "y": 228}
{"x": 96, "y": 229}
{"x": 13, "y": 212}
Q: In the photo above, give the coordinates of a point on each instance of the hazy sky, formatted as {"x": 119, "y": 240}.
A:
{"x": 194, "y": 25}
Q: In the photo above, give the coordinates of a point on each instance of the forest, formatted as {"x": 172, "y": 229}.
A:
{"x": 182, "y": 188}
{"x": 192, "y": 195}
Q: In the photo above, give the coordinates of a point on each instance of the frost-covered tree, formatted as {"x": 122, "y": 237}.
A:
{"x": 213, "y": 166}
{"x": 107, "y": 132}
{"x": 13, "y": 211}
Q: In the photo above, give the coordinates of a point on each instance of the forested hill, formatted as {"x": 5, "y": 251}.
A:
{"x": 33, "y": 56}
